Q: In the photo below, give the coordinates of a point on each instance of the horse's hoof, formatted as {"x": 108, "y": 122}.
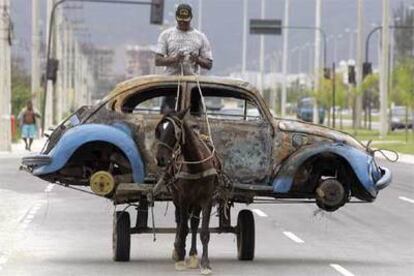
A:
{"x": 206, "y": 271}
{"x": 180, "y": 266}
{"x": 174, "y": 255}
{"x": 192, "y": 262}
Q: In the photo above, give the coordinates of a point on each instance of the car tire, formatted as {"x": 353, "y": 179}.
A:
{"x": 245, "y": 235}
{"x": 121, "y": 237}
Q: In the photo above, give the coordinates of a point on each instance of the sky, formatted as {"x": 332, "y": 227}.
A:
{"x": 118, "y": 25}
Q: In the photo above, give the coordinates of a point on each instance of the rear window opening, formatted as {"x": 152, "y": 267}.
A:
{"x": 223, "y": 103}
{"x": 158, "y": 100}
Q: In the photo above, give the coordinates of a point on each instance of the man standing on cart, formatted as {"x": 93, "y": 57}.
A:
{"x": 182, "y": 50}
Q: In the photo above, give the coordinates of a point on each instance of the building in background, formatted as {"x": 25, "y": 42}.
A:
{"x": 102, "y": 63}
{"x": 139, "y": 61}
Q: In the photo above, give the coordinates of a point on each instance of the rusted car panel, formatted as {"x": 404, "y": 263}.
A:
{"x": 245, "y": 149}
{"x": 280, "y": 158}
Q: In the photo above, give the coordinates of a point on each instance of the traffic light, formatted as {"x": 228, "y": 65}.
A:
{"x": 51, "y": 70}
{"x": 366, "y": 69}
{"x": 157, "y": 12}
{"x": 327, "y": 73}
{"x": 351, "y": 74}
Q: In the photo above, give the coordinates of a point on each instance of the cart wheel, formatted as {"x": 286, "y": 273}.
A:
{"x": 245, "y": 235}
{"x": 121, "y": 237}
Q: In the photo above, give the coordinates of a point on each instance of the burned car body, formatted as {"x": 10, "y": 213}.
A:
{"x": 262, "y": 155}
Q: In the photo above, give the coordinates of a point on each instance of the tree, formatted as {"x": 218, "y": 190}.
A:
{"x": 404, "y": 37}
{"x": 403, "y": 84}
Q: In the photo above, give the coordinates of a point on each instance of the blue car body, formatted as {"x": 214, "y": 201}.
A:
{"x": 362, "y": 164}
{"x": 117, "y": 134}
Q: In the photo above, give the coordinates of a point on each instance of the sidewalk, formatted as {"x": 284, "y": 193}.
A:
{"x": 18, "y": 149}
{"x": 404, "y": 158}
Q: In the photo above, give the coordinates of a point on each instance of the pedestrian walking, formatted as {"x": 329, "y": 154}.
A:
{"x": 27, "y": 121}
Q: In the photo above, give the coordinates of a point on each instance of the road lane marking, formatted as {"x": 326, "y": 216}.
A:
{"x": 341, "y": 270}
{"x": 49, "y": 188}
{"x": 293, "y": 237}
{"x": 260, "y": 213}
{"x": 29, "y": 217}
{"x": 406, "y": 199}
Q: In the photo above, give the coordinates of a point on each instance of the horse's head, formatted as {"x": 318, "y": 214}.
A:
{"x": 169, "y": 134}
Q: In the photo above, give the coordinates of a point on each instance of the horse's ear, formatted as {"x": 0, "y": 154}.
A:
{"x": 184, "y": 113}
{"x": 187, "y": 112}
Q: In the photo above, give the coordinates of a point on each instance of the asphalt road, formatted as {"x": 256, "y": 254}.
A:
{"x": 49, "y": 230}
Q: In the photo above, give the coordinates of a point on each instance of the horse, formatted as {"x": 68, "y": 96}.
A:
{"x": 191, "y": 170}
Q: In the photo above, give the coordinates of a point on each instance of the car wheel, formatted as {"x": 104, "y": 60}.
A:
{"x": 330, "y": 195}
{"x": 121, "y": 236}
{"x": 245, "y": 235}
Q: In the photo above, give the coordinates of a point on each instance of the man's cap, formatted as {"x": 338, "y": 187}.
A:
{"x": 184, "y": 13}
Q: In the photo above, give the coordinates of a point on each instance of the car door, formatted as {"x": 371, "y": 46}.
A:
{"x": 241, "y": 133}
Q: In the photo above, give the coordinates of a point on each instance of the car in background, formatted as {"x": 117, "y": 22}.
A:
{"x": 304, "y": 110}
{"x": 399, "y": 118}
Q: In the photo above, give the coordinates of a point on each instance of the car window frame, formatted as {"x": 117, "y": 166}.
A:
{"x": 119, "y": 100}
{"x": 247, "y": 95}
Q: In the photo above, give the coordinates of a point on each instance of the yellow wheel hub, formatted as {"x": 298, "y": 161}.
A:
{"x": 102, "y": 183}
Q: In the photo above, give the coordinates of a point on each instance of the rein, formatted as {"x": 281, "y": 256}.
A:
{"x": 180, "y": 137}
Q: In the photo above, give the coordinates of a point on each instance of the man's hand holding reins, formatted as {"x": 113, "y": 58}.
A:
{"x": 203, "y": 62}
{"x": 161, "y": 60}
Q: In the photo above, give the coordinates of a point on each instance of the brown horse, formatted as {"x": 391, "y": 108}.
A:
{"x": 192, "y": 178}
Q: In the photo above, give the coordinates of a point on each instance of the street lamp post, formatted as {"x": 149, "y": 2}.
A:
{"x": 285, "y": 59}
{"x": 244, "y": 48}
{"x": 384, "y": 70}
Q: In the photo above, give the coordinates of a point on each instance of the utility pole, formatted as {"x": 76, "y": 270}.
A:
{"x": 58, "y": 99}
{"x": 262, "y": 50}
{"x": 71, "y": 68}
{"x": 274, "y": 63}
{"x": 333, "y": 94}
{"x": 245, "y": 3}
{"x": 76, "y": 75}
{"x": 285, "y": 58}
{"x": 5, "y": 76}
{"x": 48, "y": 116}
{"x": 200, "y": 14}
{"x": 384, "y": 69}
{"x": 36, "y": 69}
{"x": 317, "y": 57}
{"x": 360, "y": 58}
{"x": 65, "y": 65}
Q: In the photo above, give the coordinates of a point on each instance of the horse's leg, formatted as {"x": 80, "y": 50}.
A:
{"x": 195, "y": 221}
{"x": 205, "y": 238}
{"x": 182, "y": 232}
{"x": 177, "y": 221}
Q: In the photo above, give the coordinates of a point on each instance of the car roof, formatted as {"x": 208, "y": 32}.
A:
{"x": 154, "y": 79}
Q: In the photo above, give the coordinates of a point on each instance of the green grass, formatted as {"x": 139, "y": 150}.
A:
{"x": 395, "y": 140}
{"x": 374, "y": 118}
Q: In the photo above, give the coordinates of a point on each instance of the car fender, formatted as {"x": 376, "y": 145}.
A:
{"x": 117, "y": 134}
{"x": 361, "y": 163}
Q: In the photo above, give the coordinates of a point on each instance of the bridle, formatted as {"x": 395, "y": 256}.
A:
{"x": 180, "y": 139}
{"x": 178, "y": 133}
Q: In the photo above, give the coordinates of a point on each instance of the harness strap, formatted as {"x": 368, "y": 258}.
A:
{"x": 194, "y": 176}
